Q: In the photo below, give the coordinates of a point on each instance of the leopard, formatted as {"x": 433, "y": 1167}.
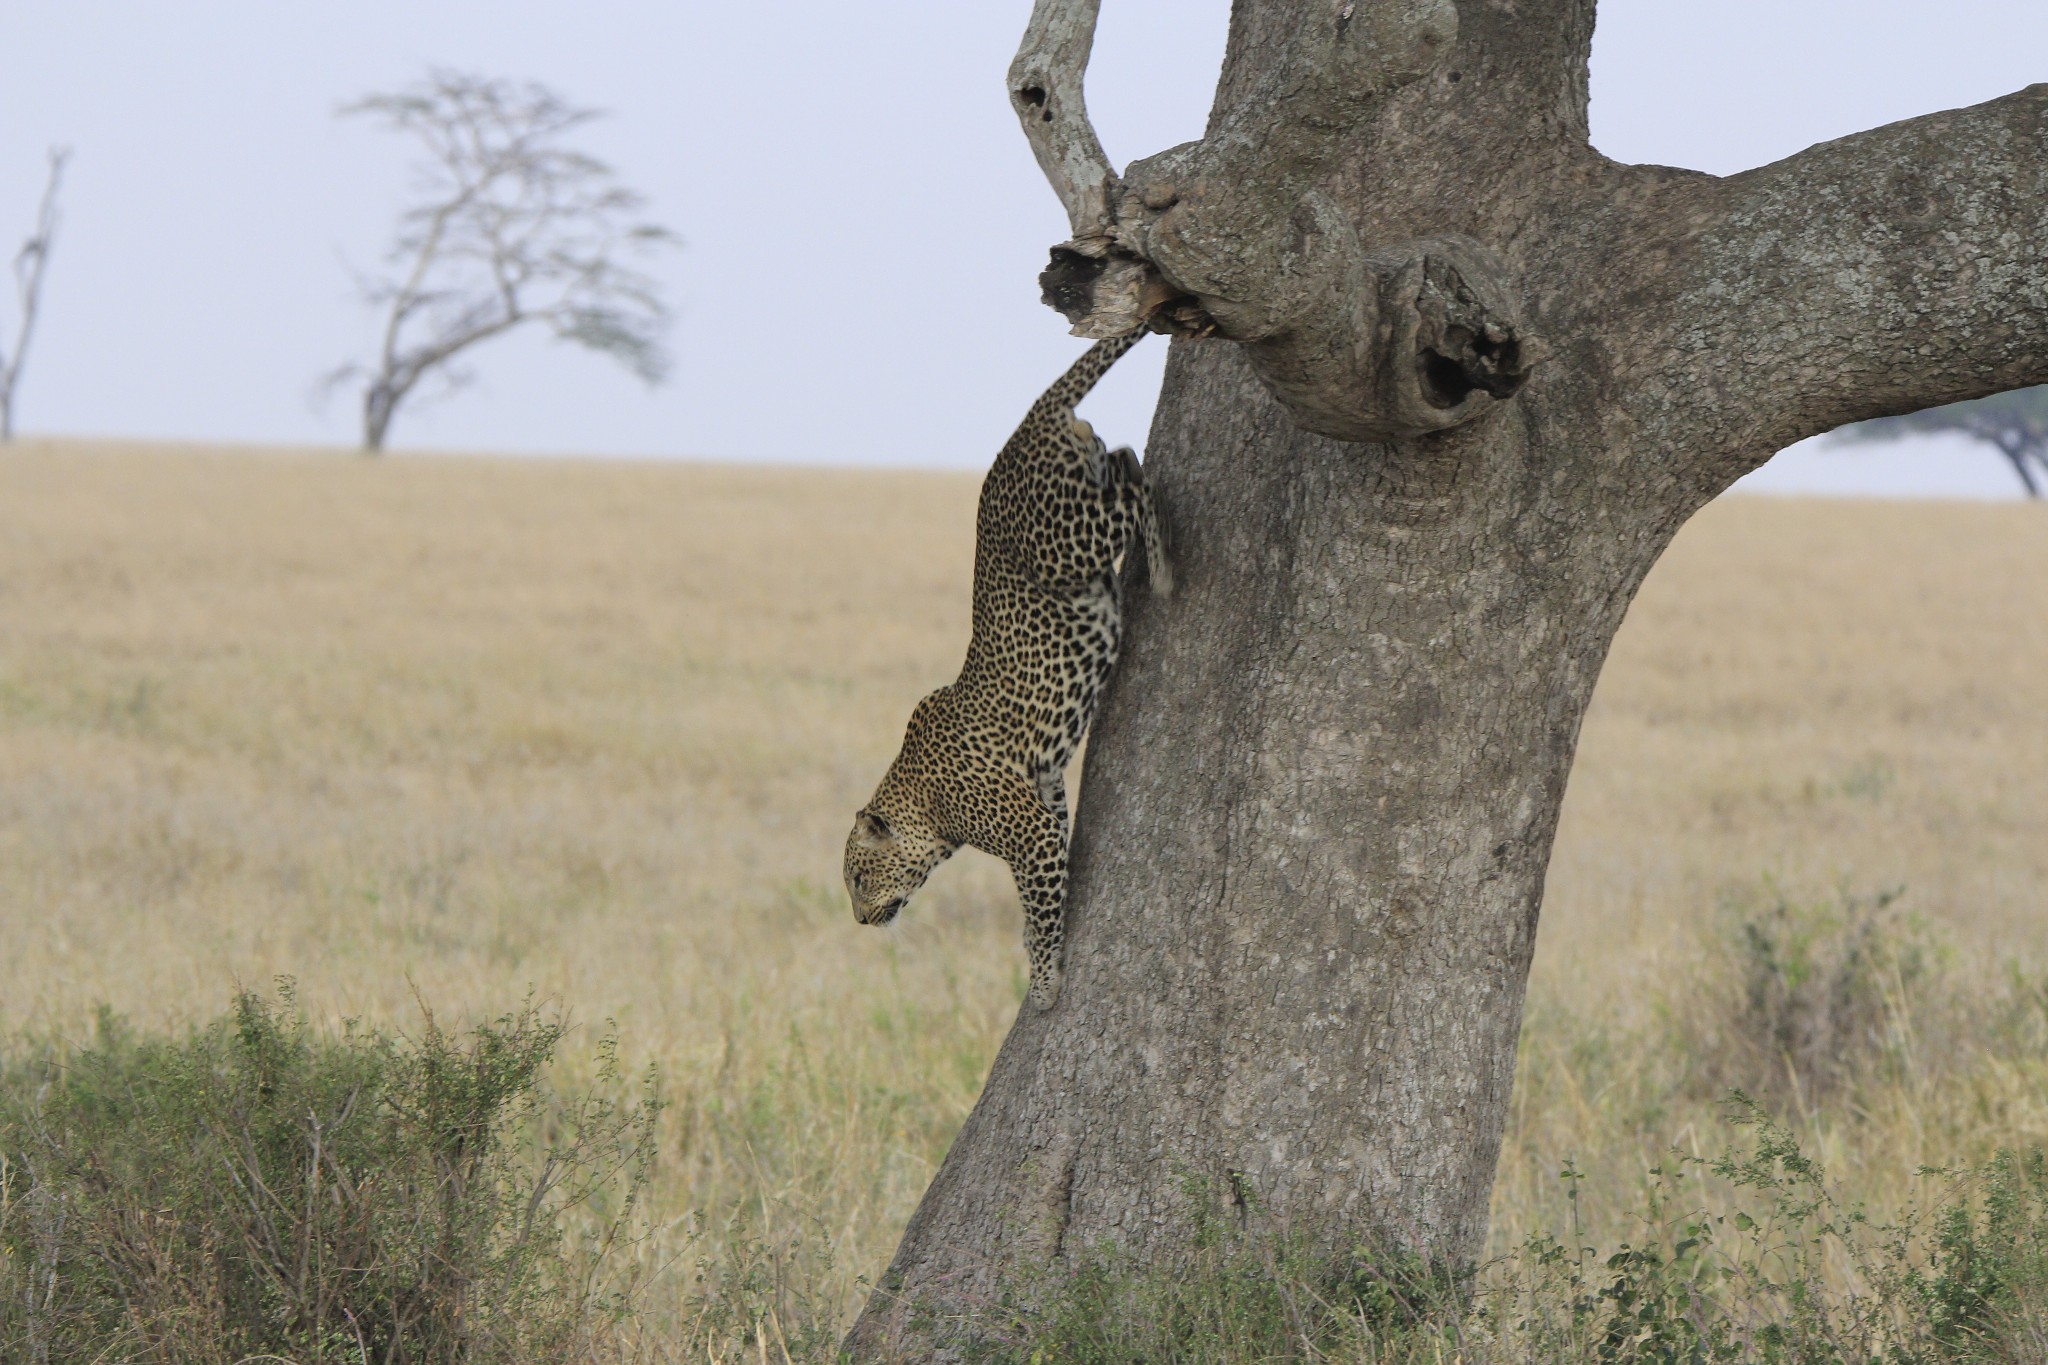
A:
{"x": 984, "y": 758}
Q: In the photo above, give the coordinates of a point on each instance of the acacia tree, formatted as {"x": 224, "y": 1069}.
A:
{"x": 511, "y": 229}
{"x": 29, "y": 264}
{"x": 1446, "y": 382}
{"x": 2016, "y": 423}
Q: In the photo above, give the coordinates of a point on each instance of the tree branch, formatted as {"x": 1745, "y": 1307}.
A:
{"x": 1046, "y": 91}
{"x": 1882, "y": 273}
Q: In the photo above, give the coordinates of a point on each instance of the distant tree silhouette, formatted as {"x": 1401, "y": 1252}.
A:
{"x": 2015, "y": 422}
{"x": 510, "y": 228}
{"x": 29, "y": 264}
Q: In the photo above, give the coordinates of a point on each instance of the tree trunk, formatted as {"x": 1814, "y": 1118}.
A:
{"x": 380, "y": 405}
{"x": 2016, "y": 453}
{"x": 30, "y": 264}
{"x": 1320, "y": 796}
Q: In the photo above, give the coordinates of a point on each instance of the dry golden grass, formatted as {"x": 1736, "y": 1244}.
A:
{"x": 469, "y": 727}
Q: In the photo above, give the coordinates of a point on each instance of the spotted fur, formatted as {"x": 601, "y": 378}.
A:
{"x": 985, "y": 757}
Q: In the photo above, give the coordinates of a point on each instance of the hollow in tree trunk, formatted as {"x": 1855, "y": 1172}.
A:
{"x": 1447, "y": 383}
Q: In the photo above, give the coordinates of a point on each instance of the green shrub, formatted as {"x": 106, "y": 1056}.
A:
{"x": 261, "y": 1188}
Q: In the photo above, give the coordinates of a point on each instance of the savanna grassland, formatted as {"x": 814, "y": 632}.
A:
{"x": 446, "y": 733}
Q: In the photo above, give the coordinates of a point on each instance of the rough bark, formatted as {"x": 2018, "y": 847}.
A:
{"x": 1320, "y": 797}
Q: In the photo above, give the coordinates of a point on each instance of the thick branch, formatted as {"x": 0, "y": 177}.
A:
{"x": 1885, "y": 272}
{"x": 1046, "y": 91}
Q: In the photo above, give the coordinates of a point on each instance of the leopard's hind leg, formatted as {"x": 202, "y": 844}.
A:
{"x": 1135, "y": 499}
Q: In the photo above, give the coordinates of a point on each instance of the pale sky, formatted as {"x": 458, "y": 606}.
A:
{"x": 864, "y": 221}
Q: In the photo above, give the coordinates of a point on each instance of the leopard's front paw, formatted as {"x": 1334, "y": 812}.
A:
{"x": 1045, "y": 986}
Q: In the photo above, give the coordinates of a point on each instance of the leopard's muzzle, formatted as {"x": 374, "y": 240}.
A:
{"x": 883, "y": 914}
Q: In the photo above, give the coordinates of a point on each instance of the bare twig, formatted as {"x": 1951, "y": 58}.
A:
{"x": 1045, "y": 90}
{"x": 29, "y": 265}
{"x": 362, "y": 1347}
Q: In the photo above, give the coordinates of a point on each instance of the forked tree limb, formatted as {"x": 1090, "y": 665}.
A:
{"x": 1189, "y": 242}
{"x": 1046, "y": 81}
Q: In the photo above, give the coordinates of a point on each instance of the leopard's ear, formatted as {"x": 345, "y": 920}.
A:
{"x": 873, "y": 828}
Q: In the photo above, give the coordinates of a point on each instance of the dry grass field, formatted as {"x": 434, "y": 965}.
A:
{"x": 453, "y": 730}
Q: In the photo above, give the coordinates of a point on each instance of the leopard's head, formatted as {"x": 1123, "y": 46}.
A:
{"x": 886, "y": 861}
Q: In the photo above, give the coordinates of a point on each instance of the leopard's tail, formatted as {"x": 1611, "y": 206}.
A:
{"x": 1070, "y": 388}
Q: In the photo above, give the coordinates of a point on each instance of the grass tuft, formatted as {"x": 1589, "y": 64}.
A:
{"x": 1808, "y": 1002}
